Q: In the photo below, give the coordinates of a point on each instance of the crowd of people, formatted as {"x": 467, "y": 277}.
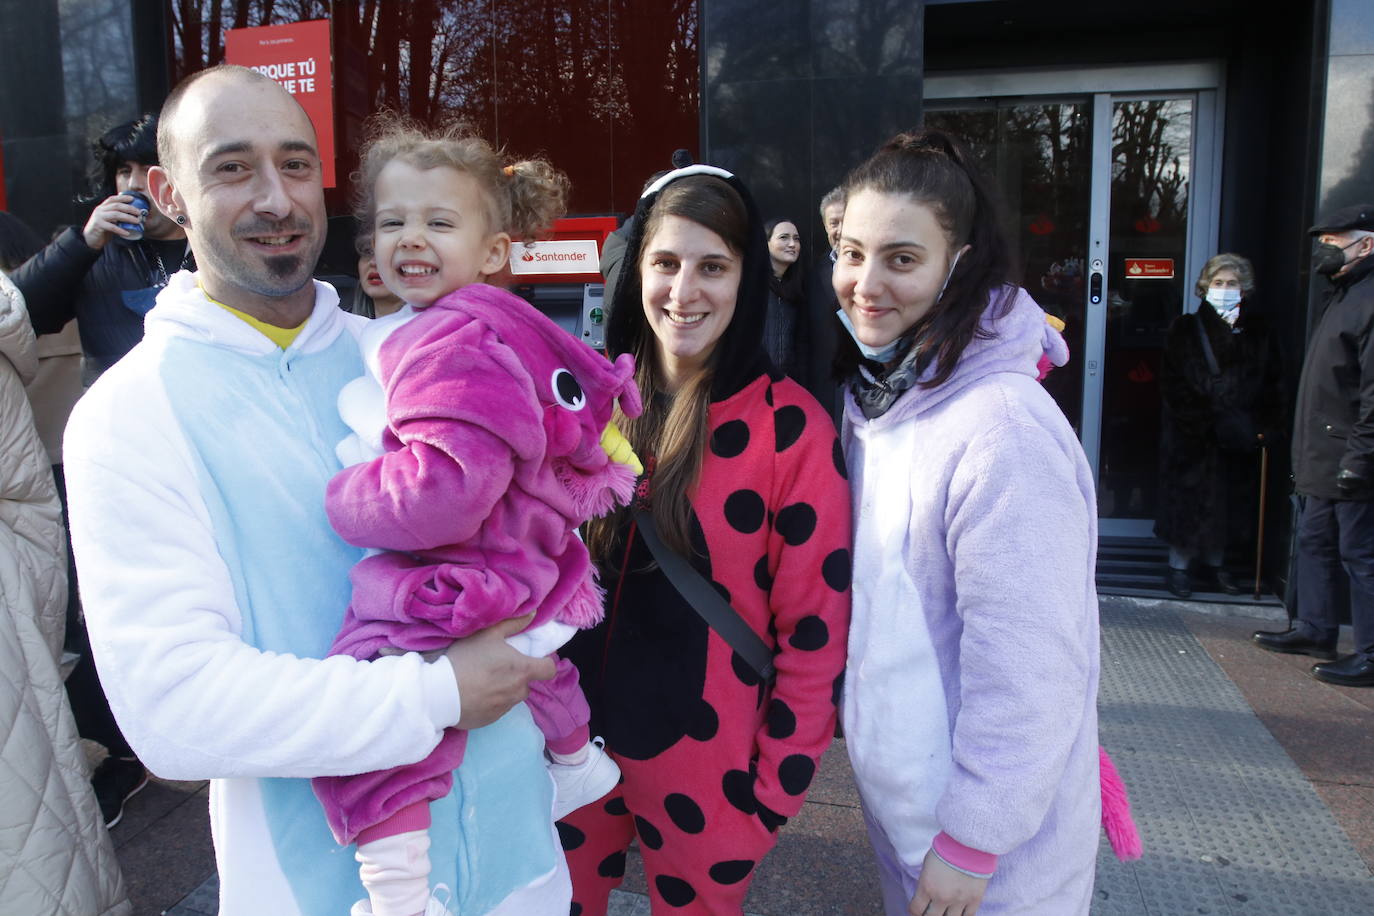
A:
{"x": 422, "y": 578}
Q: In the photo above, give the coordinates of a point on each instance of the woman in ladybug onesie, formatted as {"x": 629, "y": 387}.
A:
{"x": 746, "y": 480}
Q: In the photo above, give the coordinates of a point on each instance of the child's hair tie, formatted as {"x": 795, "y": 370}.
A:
{"x": 508, "y": 171}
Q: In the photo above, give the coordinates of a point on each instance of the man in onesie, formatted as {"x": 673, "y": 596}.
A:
{"x": 212, "y": 582}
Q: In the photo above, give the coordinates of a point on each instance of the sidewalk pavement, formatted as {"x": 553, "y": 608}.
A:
{"x": 1253, "y": 786}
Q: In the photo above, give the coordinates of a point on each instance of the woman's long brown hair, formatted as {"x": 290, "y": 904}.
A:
{"x": 673, "y": 428}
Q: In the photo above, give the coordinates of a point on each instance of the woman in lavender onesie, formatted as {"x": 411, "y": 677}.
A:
{"x": 970, "y": 698}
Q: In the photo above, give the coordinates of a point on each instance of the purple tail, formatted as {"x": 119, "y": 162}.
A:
{"x": 1116, "y": 812}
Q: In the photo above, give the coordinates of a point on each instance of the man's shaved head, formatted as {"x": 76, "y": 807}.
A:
{"x": 241, "y": 175}
{"x": 167, "y": 132}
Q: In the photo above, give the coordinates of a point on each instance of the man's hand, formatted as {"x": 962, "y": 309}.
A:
{"x": 107, "y": 216}
{"x": 1351, "y": 485}
{"x": 944, "y": 891}
{"x": 493, "y": 677}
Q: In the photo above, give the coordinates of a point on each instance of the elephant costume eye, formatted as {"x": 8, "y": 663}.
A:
{"x": 567, "y": 391}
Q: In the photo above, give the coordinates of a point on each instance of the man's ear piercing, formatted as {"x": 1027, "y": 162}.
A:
{"x": 181, "y": 219}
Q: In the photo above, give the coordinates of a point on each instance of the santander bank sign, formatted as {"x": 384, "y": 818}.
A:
{"x": 571, "y": 256}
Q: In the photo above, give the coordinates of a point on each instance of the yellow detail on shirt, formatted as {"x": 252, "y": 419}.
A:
{"x": 282, "y": 337}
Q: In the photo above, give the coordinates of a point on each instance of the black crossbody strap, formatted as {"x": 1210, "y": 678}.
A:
{"x": 1207, "y": 353}
{"x": 706, "y": 601}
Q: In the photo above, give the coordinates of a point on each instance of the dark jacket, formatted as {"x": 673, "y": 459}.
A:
{"x": 1212, "y": 426}
{"x": 1333, "y": 427}
{"x": 108, "y": 291}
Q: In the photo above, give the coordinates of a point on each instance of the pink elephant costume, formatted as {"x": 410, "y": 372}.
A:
{"x": 492, "y": 457}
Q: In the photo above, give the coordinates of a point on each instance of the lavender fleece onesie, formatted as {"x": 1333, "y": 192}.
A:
{"x": 971, "y": 689}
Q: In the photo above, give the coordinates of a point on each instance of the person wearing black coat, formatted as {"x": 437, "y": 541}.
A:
{"x": 1333, "y": 458}
{"x": 1221, "y": 381}
{"x": 98, "y": 274}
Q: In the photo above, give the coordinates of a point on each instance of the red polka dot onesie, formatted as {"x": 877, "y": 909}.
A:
{"x": 713, "y": 760}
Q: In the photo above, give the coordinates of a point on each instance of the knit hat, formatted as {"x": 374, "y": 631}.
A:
{"x": 739, "y": 357}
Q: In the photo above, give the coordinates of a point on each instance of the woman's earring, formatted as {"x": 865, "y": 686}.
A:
{"x": 181, "y": 219}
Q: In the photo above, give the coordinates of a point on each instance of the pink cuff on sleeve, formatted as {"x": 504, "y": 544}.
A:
{"x": 971, "y": 861}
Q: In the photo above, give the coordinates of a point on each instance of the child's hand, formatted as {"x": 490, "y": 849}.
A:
{"x": 945, "y": 891}
{"x": 493, "y": 677}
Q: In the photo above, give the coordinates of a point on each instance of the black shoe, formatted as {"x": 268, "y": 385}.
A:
{"x": 1351, "y": 671}
{"x": 1226, "y": 583}
{"x": 116, "y": 781}
{"x": 1178, "y": 583}
{"x": 1295, "y": 642}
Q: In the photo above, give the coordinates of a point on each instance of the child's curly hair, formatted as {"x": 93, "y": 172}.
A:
{"x": 523, "y": 197}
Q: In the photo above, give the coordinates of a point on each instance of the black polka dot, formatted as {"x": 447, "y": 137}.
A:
{"x": 674, "y": 891}
{"x": 788, "y": 424}
{"x": 648, "y": 833}
{"x": 613, "y": 866}
{"x": 685, "y": 813}
{"x": 731, "y": 871}
{"x": 768, "y": 396}
{"x": 738, "y": 786}
{"x": 811, "y": 634}
{"x": 747, "y": 675}
{"x": 796, "y": 523}
{"x": 705, "y": 724}
{"x": 795, "y": 773}
{"x": 782, "y": 722}
{"x": 722, "y": 591}
{"x": 762, "y": 577}
{"x": 837, "y": 455}
{"x": 575, "y": 909}
{"x": 744, "y": 511}
{"x": 835, "y": 569}
{"x": 730, "y": 439}
{"x": 837, "y": 689}
{"x": 569, "y": 836}
{"x": 616, "y": 806}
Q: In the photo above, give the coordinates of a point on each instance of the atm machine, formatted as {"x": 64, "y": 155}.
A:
{"x": 561, "y": 276}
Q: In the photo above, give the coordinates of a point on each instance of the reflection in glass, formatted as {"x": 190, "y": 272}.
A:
{"x": 607, "y": 89}
{"x": 1151, "y": 160}
{"x": 1040, "y": 157}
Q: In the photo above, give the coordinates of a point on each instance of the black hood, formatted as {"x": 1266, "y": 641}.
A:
{"x": 739, "y": 357}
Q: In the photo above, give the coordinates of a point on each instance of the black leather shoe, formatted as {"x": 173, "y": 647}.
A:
{"x": 1351, "y": 671}
{"x": 1294, "y": 642}
{"x": 1226, "y": 583}
{"x": 1178, "y": 583}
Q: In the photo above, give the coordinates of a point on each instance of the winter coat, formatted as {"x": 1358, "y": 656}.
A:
{"x": 970, "y": 696}
{"x": 55, "y": 855}
{"x": 107, "y": 290}
{"x": 1333, "y": 426}
{"x": 1209, "y": 457}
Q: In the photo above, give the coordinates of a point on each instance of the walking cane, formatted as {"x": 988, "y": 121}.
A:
{"x": 1259, "y": 533}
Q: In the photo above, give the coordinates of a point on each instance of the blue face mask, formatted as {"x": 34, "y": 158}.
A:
{"x": 888, "y": 352}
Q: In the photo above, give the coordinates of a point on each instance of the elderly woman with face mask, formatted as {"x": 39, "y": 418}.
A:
{"x": 1221, "y": 382}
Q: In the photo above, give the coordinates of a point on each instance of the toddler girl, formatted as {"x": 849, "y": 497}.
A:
{"x": 481, "y": 440}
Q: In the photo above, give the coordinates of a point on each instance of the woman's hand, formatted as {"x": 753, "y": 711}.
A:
{"x": 945, "y": 891}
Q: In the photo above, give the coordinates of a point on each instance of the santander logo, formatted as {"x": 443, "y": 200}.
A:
{"x": 558, "y": 256}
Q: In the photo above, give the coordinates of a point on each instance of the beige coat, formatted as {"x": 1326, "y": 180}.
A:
{"x": 55, "y": 854}
{"x": 56, "y": 386}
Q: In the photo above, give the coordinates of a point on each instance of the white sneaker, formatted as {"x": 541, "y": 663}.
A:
{"x": 438, "y": 904}
{"x": 578, "y": 784}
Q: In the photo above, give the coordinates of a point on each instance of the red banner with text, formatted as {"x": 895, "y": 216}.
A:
{"x": 297, "y": 56}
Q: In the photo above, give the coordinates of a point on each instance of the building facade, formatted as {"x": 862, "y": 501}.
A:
{"x": 1130, "y": 141}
